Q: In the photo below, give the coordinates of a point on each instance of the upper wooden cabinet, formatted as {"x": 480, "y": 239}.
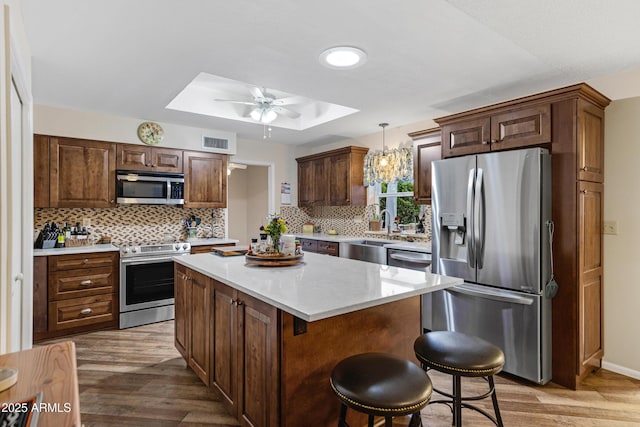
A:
{"x": 332, "y": 178}
{"x": 205, "y": 180}
{"x": 590, "y": 142}
{"x": 145, "y": 158}
{"x": 40, "y": 171}
{"x": 81, "y": 173}
{"x": 500, "y": 129}
{"x": 426, "y": 148}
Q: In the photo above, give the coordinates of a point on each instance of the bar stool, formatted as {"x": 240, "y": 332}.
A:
{"x": 461, "y": 355}
{"x": 380, "y": 384}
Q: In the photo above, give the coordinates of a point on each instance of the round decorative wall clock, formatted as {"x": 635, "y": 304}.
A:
{"x": 150, "y": 133}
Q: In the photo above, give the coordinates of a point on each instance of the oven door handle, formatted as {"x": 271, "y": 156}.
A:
{"x": 147, "y": 260}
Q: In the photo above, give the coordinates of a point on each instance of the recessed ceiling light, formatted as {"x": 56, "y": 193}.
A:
{"x": 343, "y": 57}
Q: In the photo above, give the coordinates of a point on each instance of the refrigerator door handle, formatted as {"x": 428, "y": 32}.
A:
{"x": 478, "y": 219}
{"x": 492, "y": 294}
{"x": 471, "y": 258}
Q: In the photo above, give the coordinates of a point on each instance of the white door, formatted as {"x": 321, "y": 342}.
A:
{"x": 15, "y": 248}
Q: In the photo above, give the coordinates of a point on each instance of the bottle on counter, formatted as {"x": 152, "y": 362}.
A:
{"x": 253, "y": 247}
{"x": 67, "y": 231}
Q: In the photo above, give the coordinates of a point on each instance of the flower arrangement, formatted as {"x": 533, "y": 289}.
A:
{"x": 275, "y": 227}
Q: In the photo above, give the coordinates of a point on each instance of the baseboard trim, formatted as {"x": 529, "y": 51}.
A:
{"x": 620, "y": 370}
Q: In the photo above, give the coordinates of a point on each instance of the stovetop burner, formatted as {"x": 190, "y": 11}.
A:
{"x": 150, "y": 249}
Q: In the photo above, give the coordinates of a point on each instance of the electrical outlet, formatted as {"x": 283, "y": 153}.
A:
{"x": 610, "y": 227}
{"x": 86, "y": 222}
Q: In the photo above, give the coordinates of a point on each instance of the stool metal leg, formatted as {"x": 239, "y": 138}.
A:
{"x": 388, "y": 421}
{"x": 342, "y": 421}
{"x": 457, "y": 401}
{"x": 416, "y": 421}
{"x": 370, "y": 423}
{"x": 494, "y": 399}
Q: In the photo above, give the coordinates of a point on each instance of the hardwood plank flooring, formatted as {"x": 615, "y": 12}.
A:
{"x": 135, "y": 377}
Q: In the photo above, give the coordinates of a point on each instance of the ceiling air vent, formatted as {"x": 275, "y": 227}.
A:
{"x": 218, "y": 145}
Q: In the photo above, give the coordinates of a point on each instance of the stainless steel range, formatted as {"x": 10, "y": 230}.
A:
{"x": 146, "y": 282}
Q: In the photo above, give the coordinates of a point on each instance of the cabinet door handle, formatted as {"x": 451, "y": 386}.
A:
{"x": 86, "y": 260}
{"x": 86, "y": 282}
{"x": 86, "y": 311}
{"x": 238, "y": 302}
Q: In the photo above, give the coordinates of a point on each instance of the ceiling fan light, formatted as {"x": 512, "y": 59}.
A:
{"x": 255, "y": 114}
{"x": 269, "y": 116}
{"x": 343, "y": 57}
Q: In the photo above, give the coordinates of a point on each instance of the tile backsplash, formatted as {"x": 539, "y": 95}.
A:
{"x": 136, "y": 224}
{"x": 346, "y": 220}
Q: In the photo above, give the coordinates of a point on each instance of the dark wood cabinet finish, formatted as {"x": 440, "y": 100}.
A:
{"x": 332, "y": 178}
{"x": 205, "y": 183}
{"x": 200, "y": 325}
{"x": 569, "y": 122}
{"x": 40, "y": 171}
{"x": 271, "y": 375}
{"x": 224, "y": 373}
{"x": 82, "y": 173}
{"x": 40, "y": 299}
{"x": 259, "y": 356}
{"x": 470, "y": 136}
{"x": 75, "y": 293}
{"x": 320, "y": 246}
{"x": 426, "y": 148}
{"x": 181, "y": 289}
{"x": 590, "y": 142}
{"x": 145, "y": 158}
{"x": 232, "y": 345}
{"x": 515, "y": 126}
{"x": 590, "y": 284}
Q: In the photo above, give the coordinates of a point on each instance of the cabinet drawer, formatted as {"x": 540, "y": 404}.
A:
{"x": 81, "y": 283}
{"x": 81, "y": 311}
{"x": 330, "y": 248}
{"x": 309, "y": 245}
{"x": 67, "y": 262}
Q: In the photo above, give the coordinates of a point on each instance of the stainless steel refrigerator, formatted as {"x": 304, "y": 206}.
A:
{"x": 490, "y": 222}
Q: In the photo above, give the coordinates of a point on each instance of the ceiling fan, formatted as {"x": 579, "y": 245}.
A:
{"x": 267, "y": 107}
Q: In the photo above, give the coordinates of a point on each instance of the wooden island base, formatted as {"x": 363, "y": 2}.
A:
{"x": 308, "y": 359}
{"x": 270, "y": 368}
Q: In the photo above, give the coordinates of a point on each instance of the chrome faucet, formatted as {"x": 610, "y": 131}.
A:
{"x": 388, "y": 221}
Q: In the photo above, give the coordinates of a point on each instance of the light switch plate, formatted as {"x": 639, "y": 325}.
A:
{"x": 610, "y": 227}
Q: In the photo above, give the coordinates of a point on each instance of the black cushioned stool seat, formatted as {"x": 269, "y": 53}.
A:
{"x": 461, "y": 355}
{"x": 380, "y": 384}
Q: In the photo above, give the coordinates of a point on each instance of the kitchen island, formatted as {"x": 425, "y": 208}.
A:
{"x": 265, "y": 339}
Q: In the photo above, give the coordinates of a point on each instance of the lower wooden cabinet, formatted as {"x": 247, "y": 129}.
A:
{"x": 320, "y": 246}
{"x": 75, "y": 293}
{"x": 230, "y": 340}
{"x": 199, "y": 308}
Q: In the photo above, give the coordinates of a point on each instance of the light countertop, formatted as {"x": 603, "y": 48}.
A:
{"x": 76, "y": 250}
{"x": 322, "y": 286}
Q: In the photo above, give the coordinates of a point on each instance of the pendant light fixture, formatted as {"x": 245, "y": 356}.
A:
{"x": 383, "y": 158}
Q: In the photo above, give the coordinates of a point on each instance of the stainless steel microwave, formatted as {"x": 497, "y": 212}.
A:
{"x": 149, "y": 188}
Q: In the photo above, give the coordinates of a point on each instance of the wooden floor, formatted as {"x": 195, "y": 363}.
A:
{"x": 135, "y": 377}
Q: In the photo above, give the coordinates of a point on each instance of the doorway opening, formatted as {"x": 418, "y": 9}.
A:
{"x": 249, "y": 201}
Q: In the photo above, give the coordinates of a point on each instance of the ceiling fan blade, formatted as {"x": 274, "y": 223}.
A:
{"x": 286, "y": 112}
{"x": 233, "y": 101}
{"x": 290, "y": 100}
{"x": 256, "y": 92}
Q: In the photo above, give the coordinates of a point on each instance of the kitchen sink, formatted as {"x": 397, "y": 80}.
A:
{"x": 365, "y": 250}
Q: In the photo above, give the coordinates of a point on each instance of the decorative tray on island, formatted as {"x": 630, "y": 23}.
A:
{"x": 272, "y": 260}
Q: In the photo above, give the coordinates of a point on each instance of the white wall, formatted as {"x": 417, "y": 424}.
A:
{"x": 237, "y": 205}
{"x": 257, "y": 199}
{"x": 621, "y": 266}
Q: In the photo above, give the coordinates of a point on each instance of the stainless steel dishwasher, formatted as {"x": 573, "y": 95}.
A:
{"x": 409, "y": 259}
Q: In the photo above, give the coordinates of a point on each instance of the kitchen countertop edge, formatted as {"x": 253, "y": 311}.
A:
{"x": 281, "y": 300}
{"x": 76, "y": 250}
